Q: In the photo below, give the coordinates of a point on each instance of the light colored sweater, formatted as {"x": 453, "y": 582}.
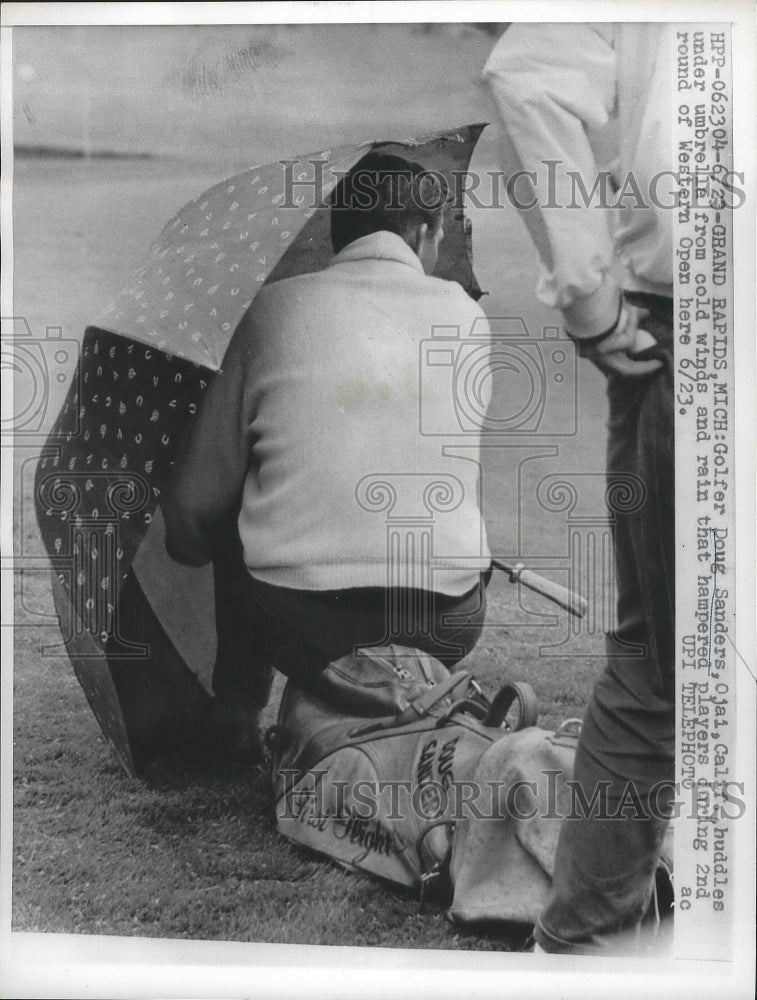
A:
{"x": 317, "y": 405}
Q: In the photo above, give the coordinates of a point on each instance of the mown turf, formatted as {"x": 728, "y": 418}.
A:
{"x": 189, "y": 851}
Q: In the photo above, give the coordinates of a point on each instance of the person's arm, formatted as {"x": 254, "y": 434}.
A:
{"x": 208, "y": 475}
{"x": 551, "y": 85}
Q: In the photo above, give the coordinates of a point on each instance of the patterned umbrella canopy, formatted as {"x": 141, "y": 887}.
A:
{"x": 138, "y": 627}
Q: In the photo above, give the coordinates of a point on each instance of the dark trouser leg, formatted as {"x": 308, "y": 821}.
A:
{"x": 259, "y": 626}
{"x": 246, "y": 637}
{"x": 604, "y": 869}
{"x": 318, "y": 627}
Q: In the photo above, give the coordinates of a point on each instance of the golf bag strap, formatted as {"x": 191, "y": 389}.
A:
{"x": 335, "y": 737}
{"x": 419, "y": 708}
{"x": 503, "y": 701}
{"x": 440, "y": 867}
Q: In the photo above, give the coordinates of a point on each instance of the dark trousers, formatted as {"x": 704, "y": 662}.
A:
{"x": 300, "y": 632}
{"x": 604, "y": 868}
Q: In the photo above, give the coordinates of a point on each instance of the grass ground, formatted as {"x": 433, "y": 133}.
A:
{"x": 192, "y": 852}
{"x": 186, "y": 852}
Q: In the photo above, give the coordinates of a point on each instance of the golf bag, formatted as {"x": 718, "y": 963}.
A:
{"x": 391, "y": 765}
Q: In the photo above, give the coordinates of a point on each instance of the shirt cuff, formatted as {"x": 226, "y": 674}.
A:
{"x": 591, "y": 315}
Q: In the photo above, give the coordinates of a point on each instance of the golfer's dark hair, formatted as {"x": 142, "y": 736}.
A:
{"x": 385, "y": 192}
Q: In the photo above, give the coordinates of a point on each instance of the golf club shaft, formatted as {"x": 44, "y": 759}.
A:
{"x": 572, "y": 602}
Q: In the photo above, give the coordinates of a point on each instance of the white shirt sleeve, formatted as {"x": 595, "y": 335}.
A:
{"x": 550, "y": 84}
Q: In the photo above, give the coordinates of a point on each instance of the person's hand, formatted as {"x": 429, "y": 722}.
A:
{"x": 615, "y": 353}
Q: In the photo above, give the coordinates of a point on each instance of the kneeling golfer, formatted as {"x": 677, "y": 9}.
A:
{"x": 309, "y": 441}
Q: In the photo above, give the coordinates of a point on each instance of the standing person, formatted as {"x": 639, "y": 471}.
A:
{"x": 318, "y": 394}
{"x": 571, "y": 99}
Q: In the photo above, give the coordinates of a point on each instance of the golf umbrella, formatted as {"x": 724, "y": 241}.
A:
{"x": 138, "y": 627}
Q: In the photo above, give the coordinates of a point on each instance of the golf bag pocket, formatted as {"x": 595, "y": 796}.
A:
{"x": 392, "y": 766}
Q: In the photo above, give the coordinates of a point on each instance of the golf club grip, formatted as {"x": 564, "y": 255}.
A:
{"x": 572, "y": 602}
{"x": 561, "y": 596}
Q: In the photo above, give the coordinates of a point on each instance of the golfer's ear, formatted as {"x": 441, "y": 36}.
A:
{"x": 420, "y": 236}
